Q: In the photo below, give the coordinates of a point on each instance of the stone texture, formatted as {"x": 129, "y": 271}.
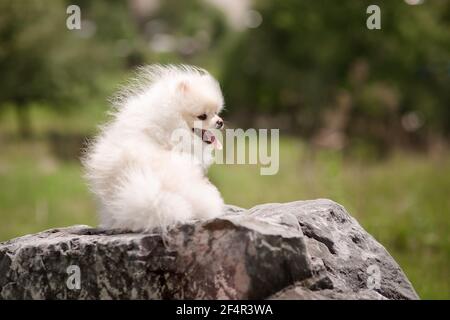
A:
{"x": 298, "y": 250}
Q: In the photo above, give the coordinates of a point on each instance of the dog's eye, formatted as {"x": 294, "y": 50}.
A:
{"x": 202, "y": 117}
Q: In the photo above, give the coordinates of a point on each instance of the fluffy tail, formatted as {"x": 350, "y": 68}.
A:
{"x": 139, "y": 202}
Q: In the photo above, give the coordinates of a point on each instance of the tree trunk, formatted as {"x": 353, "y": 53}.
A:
{"x": 23, "y": 121}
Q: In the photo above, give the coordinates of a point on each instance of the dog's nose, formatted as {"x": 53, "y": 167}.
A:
{"x": 219, "y": 124}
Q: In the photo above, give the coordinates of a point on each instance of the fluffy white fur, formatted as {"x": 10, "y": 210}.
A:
{"x": 139, "y": 174}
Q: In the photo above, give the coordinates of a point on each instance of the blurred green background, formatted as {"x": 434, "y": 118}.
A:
{"x": 364, "y": 115}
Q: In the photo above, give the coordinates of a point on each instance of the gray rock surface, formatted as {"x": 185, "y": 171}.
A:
{"x": 298, "y": 250}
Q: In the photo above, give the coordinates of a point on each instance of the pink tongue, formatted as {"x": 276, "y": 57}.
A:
{"x": 209, "y": 137}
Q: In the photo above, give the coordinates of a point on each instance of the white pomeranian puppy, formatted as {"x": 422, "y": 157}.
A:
{"x": 147, "y": 166}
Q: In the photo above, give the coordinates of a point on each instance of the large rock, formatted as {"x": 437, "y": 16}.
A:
{"x": 298, "y": 250}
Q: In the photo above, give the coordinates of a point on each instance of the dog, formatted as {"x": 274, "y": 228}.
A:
{"x": 141, "y": 167}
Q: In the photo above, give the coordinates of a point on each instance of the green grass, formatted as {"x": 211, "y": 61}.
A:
{"x": 38, "y": 192}
{"x": 403, "y": 201}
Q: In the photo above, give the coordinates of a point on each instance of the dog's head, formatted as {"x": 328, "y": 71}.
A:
{"x": 199, "y": 101}
{"x": 164, "y": 99}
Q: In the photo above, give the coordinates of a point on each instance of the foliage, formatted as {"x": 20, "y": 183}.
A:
{"x": 306, "y": 55}
{"x": 44, "y": 63}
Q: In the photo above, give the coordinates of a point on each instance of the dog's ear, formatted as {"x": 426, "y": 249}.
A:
{"x": 183, "y": 86}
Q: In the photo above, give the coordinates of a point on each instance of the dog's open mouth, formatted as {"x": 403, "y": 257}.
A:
{"x": 208, "y": 137}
